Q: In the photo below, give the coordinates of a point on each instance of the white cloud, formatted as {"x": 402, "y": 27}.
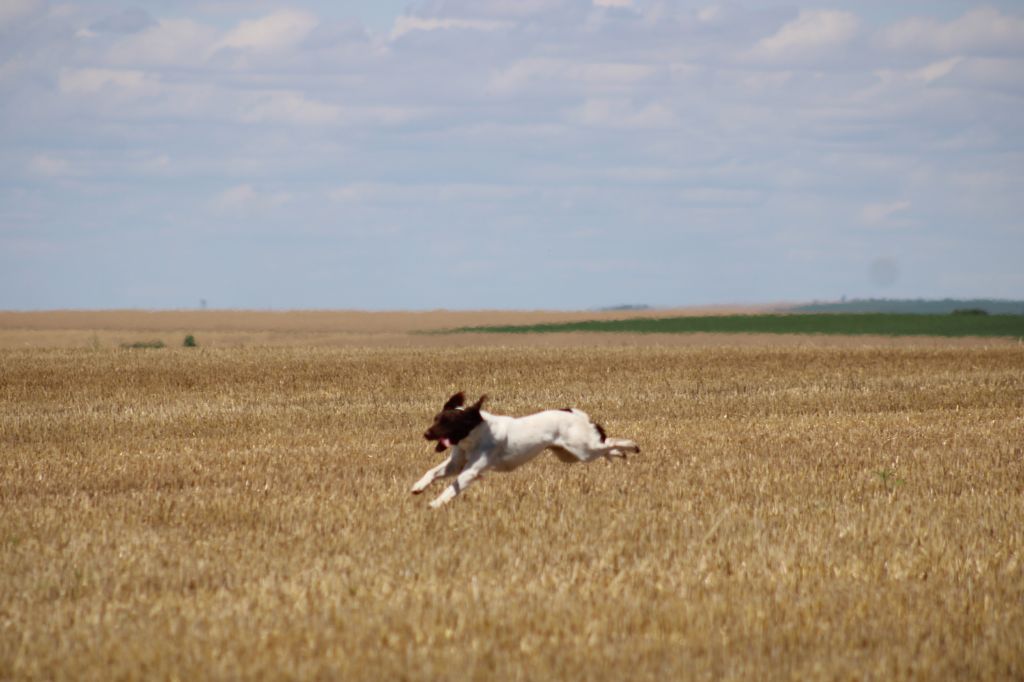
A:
{"x": 477, "y": 192}
{"x": 245, "y": 197}
{"x": 49, "y": 166}
{"x": 12, "y": 11}
{"x": 136, "y": 94}
{"x": 710, "y": 14}
{"x": 486, "y": 130}
{"x": 176, "y": 42}
{"x": 592, "y": 76}
{"x": 986, "y": 73}
{"x": 278, "y": 31}
{"x": 812, "y": 33}
{"x": 160, "y": 163}
{"x": 289, "y": 107}
{"x": 927, "y": 74}
{"x": 722, "y": 196}
{"x": 883, "y": 213}
{"x": 92, "y": 81}
{"x": 13, "y": 69}
{"x": 421, "y": 193}
{"x": 638, "y": 175}
{"x": 407, "y": 24}
{"x": 982, "y": 30}
{"x": 613, "y": 3}
{"x": 620, "y": 113}
{"x": 359, "y": 192}
{"x": 238, "y": 196}
{"x": 937, "y": 70}
{"x": 503, "y": 9}
{"x": 1002, "y": 74}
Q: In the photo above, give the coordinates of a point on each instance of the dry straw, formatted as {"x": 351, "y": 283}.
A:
{"x": 797, "y": 513}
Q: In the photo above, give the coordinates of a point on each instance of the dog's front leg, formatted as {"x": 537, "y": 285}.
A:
{"x": 462, "y": 481}
{"x": 451, "y": 466}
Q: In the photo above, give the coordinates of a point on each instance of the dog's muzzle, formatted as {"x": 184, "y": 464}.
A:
{"x": 442, "y": 443}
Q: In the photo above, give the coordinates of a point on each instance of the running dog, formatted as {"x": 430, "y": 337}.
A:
{"x": 481, "y": 441}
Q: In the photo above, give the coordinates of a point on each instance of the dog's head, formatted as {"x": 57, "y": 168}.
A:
{"x": 454, "y": 421}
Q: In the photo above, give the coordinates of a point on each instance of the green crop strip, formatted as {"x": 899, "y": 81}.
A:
{"x": 843, "y": 324}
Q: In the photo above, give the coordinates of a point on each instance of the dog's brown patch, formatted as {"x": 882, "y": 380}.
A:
{"x": 454, "y": 422}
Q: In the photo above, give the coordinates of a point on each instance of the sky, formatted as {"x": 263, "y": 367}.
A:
{"x": 528, "y": 154}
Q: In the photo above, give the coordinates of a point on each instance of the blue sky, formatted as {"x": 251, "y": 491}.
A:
{"x": 508, "y": 153}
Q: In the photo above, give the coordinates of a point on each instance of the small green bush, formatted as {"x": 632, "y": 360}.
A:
{"x": 970, "y": 311}
{"x": 144, "y": 344}
{"x": 190, "y": 341}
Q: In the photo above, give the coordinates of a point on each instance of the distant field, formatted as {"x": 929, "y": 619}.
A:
{"x": 856, "y": 324}
{"x": 243, "y": 513}
{"x": 232, "y": 328}
{"x": 106, "y": 329}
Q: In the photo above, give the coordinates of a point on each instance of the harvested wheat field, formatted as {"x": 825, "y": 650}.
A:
{"x": 352, "y": 328}
{"x": 230, "y": 513}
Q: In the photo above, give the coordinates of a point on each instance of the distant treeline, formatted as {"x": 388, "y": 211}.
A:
{"x": 624, "y": 307}
{"x": 915, "y": 306}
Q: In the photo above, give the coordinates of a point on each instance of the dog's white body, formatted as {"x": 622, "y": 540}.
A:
{"x": 503, "y": 443}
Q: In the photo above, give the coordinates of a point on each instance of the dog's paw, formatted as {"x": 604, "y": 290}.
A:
{"x": 442, "y": 499}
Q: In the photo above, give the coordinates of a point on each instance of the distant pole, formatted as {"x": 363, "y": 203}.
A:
{"x": 202, "y": 303}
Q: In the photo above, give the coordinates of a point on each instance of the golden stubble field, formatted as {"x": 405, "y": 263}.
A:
{"x": 797, "y": 513}
{"x": 301, "y": 328}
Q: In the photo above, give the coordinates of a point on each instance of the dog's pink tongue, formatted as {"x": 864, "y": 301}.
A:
{"x": 445, "y": 442}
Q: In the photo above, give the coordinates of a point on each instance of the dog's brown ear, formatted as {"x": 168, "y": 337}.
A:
{"x": 457, "y": 400}
{"x": 478, "y": 404}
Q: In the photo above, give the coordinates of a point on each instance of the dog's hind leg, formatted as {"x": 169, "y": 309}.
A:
{"x": 565, "y": 455}
{"x": 462, "y": 481}
{"x": 610, "y": 447}
{"x": 620, "y": 446}
{"x": 582, "y": 453}
{"x": 451, "y": 466}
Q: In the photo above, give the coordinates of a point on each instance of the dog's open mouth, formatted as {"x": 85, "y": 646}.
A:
{"x": 443, "y": 444}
